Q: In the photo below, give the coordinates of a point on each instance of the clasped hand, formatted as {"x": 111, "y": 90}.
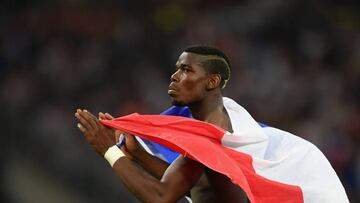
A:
{"x": 101, "y": 137}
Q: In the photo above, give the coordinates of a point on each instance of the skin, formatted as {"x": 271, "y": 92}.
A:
{"x": 149, "y": 178}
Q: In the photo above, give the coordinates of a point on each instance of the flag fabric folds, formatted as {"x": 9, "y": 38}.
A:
{"x": 270, "y": 165}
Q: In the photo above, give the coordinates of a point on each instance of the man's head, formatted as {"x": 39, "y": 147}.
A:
{"x": 200, "y": 70}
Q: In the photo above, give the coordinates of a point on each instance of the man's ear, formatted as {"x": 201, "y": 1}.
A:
{"x": 213, "y": 81}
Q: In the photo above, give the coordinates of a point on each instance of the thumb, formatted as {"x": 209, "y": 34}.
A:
{"x": 108, "y": 116}
{"x": 105, "y": 116}
{"x": 129, "y": 137}
{"x": 102, "y": 116}
{"x": 117, "y": 135}
{"x": 130, "y": 141}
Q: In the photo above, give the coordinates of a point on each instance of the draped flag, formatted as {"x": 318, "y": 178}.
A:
{"x": 270, "y": 165}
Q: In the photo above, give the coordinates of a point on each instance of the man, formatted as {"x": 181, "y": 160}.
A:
{"x": 197, "y": 83}
{"x": 201, "y": 74}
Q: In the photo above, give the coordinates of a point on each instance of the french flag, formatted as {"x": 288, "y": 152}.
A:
{"x": 269, "y": 164}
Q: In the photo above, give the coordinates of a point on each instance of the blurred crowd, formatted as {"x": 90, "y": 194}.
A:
{"x": 295, "y": 66}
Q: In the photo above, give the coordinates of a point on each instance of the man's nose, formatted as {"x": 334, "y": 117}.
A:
{"x": 175, "y": 77}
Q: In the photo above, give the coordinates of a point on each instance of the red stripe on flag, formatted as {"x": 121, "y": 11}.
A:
{"x": 201, "y": 141}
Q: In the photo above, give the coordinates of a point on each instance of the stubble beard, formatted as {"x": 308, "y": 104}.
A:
{"x": 177, "y": 102}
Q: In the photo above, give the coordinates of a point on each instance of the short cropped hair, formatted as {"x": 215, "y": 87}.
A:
{"x": 216, "y": 62}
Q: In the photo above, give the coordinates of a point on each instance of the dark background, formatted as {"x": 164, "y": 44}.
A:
{"x": 296, "y": 66}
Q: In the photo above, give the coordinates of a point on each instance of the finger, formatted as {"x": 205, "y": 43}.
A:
{"x": 108, "y": 116}
{"x": 83, "y": 121}
{"x": 90, "y": 118}
{"x": 117, "y": 135}
{"x": 93, "y": 118}
{"x": 77, "y": 112}
{"x": 105, "y": 116}
{"x": 129, "y": 137}
{"x": 102, "y": 116}
{"x": 81, "y": 127}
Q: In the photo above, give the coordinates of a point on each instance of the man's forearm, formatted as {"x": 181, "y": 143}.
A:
{"x": 143, "y": 185}
{"x": 154, "y": 165}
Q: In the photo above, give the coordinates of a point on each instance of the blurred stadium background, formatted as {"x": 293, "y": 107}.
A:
{"x": 296, "y": 66}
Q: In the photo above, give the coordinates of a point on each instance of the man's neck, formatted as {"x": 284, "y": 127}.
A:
{"x": 206, "y": 109}
{"x": 212, "y": 110}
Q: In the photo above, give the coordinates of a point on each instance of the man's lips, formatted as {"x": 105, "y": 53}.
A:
{"x": 171, "y": 92}
{"x": 172, "y": 86}
{"x": 172, "y": 89}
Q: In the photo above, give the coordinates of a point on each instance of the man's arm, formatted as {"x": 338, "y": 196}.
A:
{"x": 152, "y": 164}
{"x": 174, "y": 184}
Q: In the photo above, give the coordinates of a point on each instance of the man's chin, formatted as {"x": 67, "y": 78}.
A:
{"x": 177, "y": 102}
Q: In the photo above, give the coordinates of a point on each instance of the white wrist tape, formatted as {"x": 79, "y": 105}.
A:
{"x": 113, "y": 154}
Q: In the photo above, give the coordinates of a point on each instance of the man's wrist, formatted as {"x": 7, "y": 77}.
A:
{"x": 113, "y": 154}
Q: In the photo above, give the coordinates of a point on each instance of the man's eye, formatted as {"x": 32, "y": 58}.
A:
{"x": 183, "y": 69}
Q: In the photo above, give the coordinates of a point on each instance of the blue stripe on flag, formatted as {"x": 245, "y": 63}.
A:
{"x": 168, "y": 154}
